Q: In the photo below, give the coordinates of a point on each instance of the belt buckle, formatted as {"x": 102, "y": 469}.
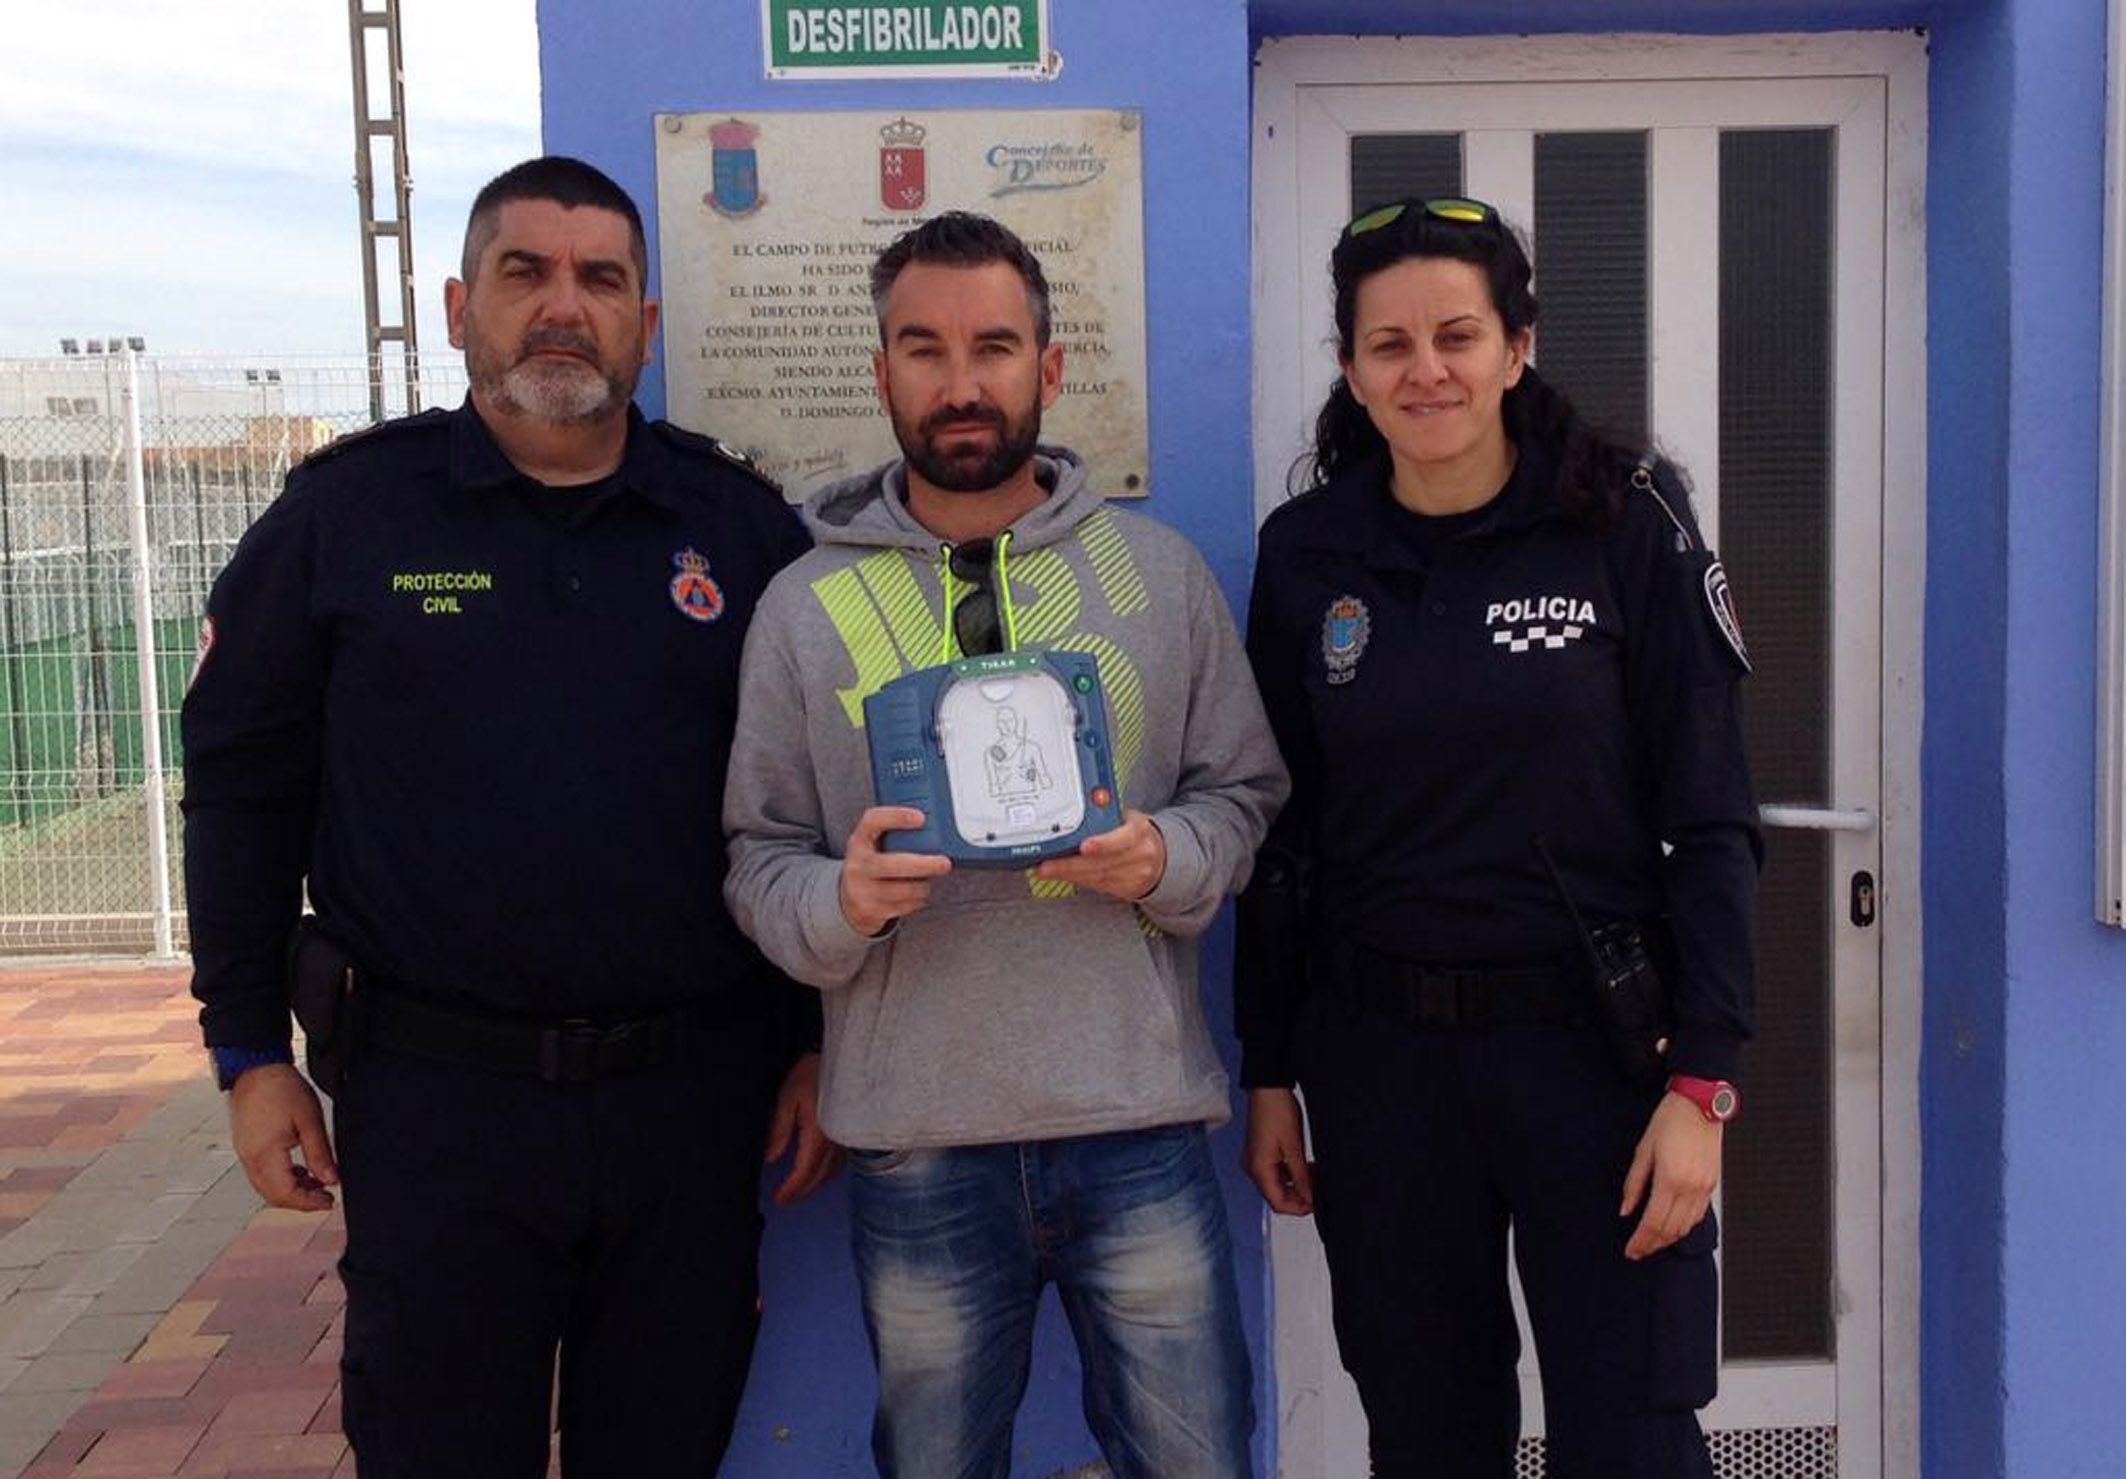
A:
{"x": 568, "y": 1054}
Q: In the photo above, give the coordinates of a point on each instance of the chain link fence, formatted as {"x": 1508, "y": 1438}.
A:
{"x": 125, "y": 482}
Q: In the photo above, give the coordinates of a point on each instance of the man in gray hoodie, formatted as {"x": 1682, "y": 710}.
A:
{"x": 1018, "y": 1060}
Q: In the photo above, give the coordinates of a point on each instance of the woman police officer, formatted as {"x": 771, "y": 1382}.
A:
{"x": 1503, "y": 670}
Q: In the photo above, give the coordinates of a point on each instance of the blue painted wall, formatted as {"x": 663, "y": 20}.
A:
{"x": 607, "y": 69}
{"x": 2064, "y": 1197}
{"x": 2024, "y": 1213}
{"x": 1963, "y": 1052}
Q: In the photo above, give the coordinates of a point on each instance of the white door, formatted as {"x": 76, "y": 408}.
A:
{"x": 1727, "y": 254}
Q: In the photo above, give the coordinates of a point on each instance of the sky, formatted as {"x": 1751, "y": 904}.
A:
{"x": 184, "y": 169}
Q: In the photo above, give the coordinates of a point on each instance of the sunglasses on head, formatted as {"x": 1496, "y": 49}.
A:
{"x": 1456, "y": 208}
{"x": 974, "y": 616}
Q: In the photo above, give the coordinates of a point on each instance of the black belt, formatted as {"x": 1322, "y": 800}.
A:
{"x": 571, "y": 1052}
{"x": 1422, "y": 995}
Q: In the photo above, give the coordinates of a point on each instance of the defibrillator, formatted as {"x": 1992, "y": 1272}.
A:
{"x": 1008, "y": 757}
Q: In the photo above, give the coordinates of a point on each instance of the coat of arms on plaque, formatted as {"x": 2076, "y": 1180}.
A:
{"x": 734, "y": 169}
{"x": 900, "y": 165}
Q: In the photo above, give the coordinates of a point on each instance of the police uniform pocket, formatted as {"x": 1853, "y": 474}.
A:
{"x": 1683, "y": 1366}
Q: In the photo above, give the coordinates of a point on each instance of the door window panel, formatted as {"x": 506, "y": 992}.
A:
{"x": 1590, "y": 278}
{"x": 1775, "y": 480}
{"x": 1389, "y": 167}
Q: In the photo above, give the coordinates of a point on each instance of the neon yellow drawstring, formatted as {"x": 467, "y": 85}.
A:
{"x": 1011, "y": 613}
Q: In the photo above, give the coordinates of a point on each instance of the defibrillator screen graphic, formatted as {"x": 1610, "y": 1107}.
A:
{"x": 1007, "y": 757}
{"x": 1012, "y": 758}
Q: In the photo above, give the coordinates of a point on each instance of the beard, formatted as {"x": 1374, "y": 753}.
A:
{"x": 973, "y": 468}
{"x": 563, "y": 392}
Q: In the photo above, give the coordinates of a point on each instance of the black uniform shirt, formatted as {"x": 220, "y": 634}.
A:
{"x": 493, "y": 739}
{"x": 1540, "y": 679}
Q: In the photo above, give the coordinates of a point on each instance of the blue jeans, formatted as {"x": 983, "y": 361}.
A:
{"x": 953, "y": 1246}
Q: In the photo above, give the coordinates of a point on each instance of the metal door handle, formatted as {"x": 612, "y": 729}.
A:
{"x": 1817, "y": 818}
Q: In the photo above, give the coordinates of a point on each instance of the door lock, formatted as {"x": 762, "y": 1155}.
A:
{"x": 1861, "y": 899}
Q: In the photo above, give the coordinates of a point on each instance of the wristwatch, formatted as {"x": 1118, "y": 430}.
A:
{"x": 1717, "y": 1099}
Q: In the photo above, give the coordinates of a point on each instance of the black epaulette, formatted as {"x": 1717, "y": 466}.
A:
{"x": 375, "y": 435}
{"x": 1648, "y": 478}
{"x": 693, "y": 441}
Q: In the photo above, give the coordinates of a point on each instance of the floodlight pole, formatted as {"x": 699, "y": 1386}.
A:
{"x": 144, "y": 655}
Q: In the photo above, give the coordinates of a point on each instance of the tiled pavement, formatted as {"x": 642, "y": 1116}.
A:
{"x": 154, "y": 1320}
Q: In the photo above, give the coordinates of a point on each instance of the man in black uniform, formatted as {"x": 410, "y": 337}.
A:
{"x": 472, "y": 678}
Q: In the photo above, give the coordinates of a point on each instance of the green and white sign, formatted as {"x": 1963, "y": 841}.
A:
{"x": 906, "y": 38}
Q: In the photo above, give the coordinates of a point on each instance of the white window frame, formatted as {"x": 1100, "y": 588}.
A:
{"x": 2111, "y": 637}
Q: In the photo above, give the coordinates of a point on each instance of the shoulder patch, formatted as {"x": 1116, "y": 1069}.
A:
{"x": 722, "y": 451}
{"x": 376, "y": 435}
{"x": 1720, "y": 602}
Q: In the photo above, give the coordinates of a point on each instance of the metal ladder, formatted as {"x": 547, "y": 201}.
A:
{"x": 364, "y": 24}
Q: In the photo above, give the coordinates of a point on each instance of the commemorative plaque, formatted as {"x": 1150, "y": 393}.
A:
{"x": 768, "y": 223}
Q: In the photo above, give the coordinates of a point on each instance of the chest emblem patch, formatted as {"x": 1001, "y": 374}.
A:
{"x": 1345, "y": 629}
{"x": 1538, "y": 623}
{"x": 698, "y": 597}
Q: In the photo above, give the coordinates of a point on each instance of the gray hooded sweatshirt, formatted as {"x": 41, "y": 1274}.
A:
{"x": 1008, "y": 1008}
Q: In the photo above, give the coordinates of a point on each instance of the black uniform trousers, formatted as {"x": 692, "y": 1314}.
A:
{"x": 1429, "y": 1144}
{"x": 492, "y": 1218}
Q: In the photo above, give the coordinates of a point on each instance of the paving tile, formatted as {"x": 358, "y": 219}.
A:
{"x": 176, "y": 1336}
{"x": 229, "y": 1377}
{"x": 279, "y": 1343}
{"x": 153, "y": 1379}
{"x": 27, "y": 1246}
{"x": 43, "y": 1468}
{"x": 139, "y": 1452}
{"x": 155, "y": 1219}
{"x": 104, "y": 1413}
{"x": 68, "y": 1371}
{"x": 232, "y": 1196}
{"x": 312, "y": 1453}
{"x": 18, "y": 1206}
{"x": 72, "y": 1160}
{"x": 95, "y": 1332}
{"x": 203, "y": 1171}
{"x": 30, "y": 1323}
{"x": 37, "y": 1178}
{"x": 159, "y": 1278}
{"x": 274, "y": 1412}
{"x": 35, "y": 1412}
{"x": 100, "y": 1270}
{"x": 68, "y": 1445}
{"x": 18, "y": 1449}
{"x": 54, "y": 1271}
{"x": 12, "y": 1367}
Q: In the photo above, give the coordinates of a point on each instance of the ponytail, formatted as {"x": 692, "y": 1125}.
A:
{"x": 1593, "y": 470}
